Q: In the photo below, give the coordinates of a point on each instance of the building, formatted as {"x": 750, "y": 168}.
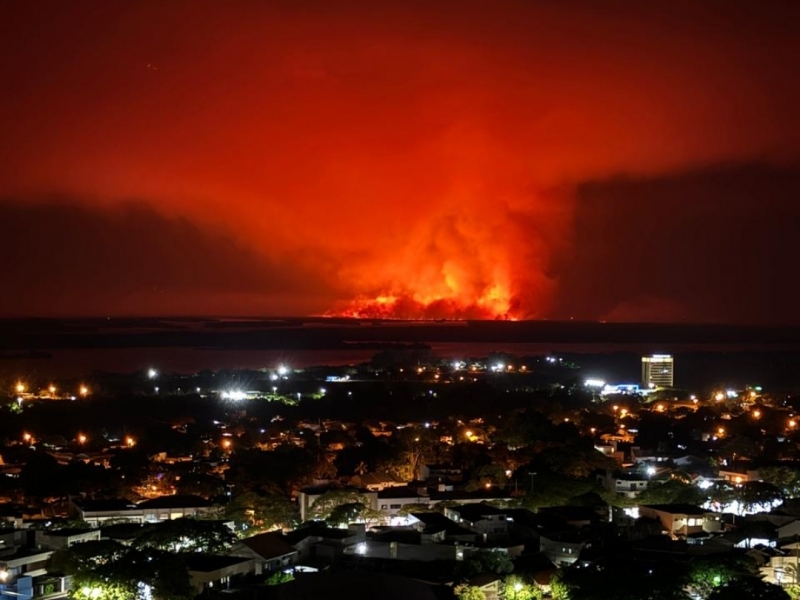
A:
{"x": 212, "y": 571}
{"x": 482, "y": 518}
{"x": 682, "y": 520}
{"x": 269, "y": 550}
{"x": 61, "y": 539}
{"x": 658, "y": 371}
{"x": 98, "y": 512}
{"x": 23, "y": 575}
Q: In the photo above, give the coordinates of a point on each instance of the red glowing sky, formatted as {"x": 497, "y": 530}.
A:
{"x": 317, "y": 156}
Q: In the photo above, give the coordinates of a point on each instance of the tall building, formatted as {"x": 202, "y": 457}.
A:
{"x": 658, "y": 370}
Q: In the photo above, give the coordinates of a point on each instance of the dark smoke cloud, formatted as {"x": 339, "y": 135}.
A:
{"x": 62, "y": 258}
{"x": 714, "y": 245}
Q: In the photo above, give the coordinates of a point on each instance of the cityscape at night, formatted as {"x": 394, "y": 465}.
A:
{"x": 426, "y": 300}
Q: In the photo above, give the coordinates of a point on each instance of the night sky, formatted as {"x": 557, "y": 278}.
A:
{"x": 588, "y": 160}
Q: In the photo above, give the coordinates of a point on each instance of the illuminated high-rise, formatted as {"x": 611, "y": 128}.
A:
{"x": 658, "y": 371}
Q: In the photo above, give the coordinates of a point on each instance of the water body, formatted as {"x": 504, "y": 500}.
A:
{"x": 706, "y": 355}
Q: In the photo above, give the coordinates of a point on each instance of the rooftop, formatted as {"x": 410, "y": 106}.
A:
{"x": 268, "y": 545}
{"x": 118, "y": 504}
{"x": 677, "y": 509}
{"x": 175, "y": 501}
{"x": 205, "y": 563}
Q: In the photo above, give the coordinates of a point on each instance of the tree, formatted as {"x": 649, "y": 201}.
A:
{"x": 483, "y": 561}
{"x": 514, "y": 588}
{"x": 108, "y": 570}
{"x": 560, "y": 586}
{"x": 464, "y": 591}
{"x": 750, "y": 588}
{"x": 186, "y": 535}
{"x": 345, "y": 513}
{"x": 486, "y": 476}
{"x": 671, "y": 491}
{"x": 707, "y": 574}
{"x": 252, "y": 513}
{"x": 279, "y": 577}
{"x": 323, "y": 506}
{"x": 784, "y": 478}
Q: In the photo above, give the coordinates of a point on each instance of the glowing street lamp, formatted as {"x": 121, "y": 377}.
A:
{"x": 792, "y": 423}
{"x": 152, "y": 373}
{"x": 81, "y": 438}
{"x": 130, "y": 442}
{"x": 756, "y": 414}
{"x": 51, "y": 389}
{"x": 27, "y": 436}
{"x": 20, "y": 387}
{"x": 226, "y": 443}
{"x": 83, "y": 391}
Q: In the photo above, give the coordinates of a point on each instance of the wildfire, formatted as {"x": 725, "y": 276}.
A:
{"x": 493, "y": 304}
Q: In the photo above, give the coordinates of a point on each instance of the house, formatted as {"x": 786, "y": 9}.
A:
{"x": 630, "y": 483}
{"x": 175, "y": 507}
{"x": 440, "y": 472}
{"x": 406, "y": 543}
{"x": 98, "y": 512}
{"x": 376, "y": 482}
{"x": 391, "y": 501}
{"x": 269, "y": 550}
{"x": 482, "y": 518}
{"x": 739, "y": 475}
{"x": 682, "y": 520}
{"x": 212, "y": 571}
{"x": 61, "y": 539}
{"x": 317, "y": 540}
{"x": 435, "y": 527}
{"x": 563, "y": 549}
{"x": 23, "y": 576}
{"x": 488, "y": 583}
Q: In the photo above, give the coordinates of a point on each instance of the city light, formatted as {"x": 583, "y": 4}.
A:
{"x": 152, "y": 373}
{"x": 595, "y": 383}
{"x": 719, "y": 397}
{"x": 27, "y": 437}
{"x": 130, "y": 442}
{"x": 226, "y": 443}
{"x": 20, "y": 387}
{"x": 283, "y": 370}
{"x": 83, "y": 391}
{"x": 792, "y": 423}
{"x": 81, "y": 438}
{"x": 235, "y": 395}
{"x": 756, "y": 414}
{"x": 52, "y": 389}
